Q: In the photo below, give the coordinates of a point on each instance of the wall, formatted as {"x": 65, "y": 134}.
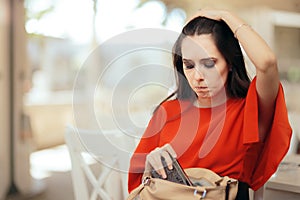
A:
{"x": 4, "y": 100}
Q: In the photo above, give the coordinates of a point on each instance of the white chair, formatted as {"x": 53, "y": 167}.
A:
{"x": 112, "y": 150}
{"x": 257, "y": 195}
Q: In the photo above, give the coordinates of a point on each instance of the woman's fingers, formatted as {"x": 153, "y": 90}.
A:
{"x": 209, "y": 13}
{"x": 170, "y": 150}
{"x": 154, "y": 159}
{"x": 167, "y": 158}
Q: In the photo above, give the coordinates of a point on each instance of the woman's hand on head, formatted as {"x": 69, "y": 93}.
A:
{"x": 210, "y": 13}
{"x": 153, "y": 160}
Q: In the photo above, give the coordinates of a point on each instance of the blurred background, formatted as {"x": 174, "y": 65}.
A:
{"x": 44, "y": 45}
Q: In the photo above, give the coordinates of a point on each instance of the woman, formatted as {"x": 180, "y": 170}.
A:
{"x": 219, "y": 119}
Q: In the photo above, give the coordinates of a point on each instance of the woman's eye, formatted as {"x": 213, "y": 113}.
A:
{"x": 208, "y": 63}
{"x": 189, "y": 66}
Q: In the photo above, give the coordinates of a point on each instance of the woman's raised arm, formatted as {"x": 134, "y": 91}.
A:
{"x": 263, "y": 58}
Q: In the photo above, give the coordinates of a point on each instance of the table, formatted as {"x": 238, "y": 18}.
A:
{"x": 285, "y": 183}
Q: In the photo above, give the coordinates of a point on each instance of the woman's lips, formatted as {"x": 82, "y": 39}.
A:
{"x": 201, "y": 89}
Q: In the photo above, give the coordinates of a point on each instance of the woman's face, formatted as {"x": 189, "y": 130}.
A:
{"x": 204, "y": 66}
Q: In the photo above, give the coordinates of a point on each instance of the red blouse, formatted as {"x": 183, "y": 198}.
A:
{"x": 224, "y": 138}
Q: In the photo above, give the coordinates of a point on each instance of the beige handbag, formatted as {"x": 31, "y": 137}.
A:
{"x": 209, "y": 186}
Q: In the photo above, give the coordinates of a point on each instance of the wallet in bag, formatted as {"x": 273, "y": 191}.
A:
{"x": 176, "y": 174}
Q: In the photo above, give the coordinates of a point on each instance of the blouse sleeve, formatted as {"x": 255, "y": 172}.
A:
{"x": 271, "y": 152}
{"x": 148, "y": 142}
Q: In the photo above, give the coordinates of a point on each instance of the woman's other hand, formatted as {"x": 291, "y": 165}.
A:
{"x": 153, "y": 160}
{"x": 210, "y": 13}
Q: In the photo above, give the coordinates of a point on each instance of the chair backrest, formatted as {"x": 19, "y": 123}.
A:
{"x": 112, "y": 150}
{"x": 258, "y": 194}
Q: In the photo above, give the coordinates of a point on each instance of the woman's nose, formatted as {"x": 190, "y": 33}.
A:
{"x": 198, "y": 75}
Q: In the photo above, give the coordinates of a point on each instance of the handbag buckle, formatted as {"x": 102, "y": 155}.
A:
{"x": 203, "y": 194}
{"x": 146, "y": 181}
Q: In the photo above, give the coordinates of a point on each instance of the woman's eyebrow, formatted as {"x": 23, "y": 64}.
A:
{"x": 203, "y": 59}
{"x": 208, "y": 58}
{"x": 186, "y": 60}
